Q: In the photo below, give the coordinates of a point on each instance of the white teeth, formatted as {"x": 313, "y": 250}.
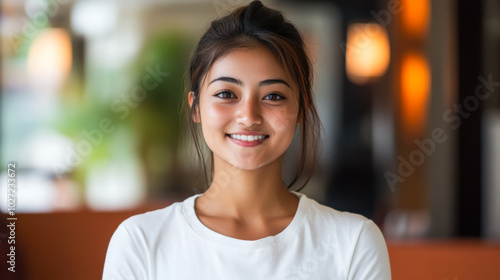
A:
{"x": 247, "y": 137}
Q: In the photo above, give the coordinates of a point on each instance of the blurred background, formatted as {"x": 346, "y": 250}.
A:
{"x": 407, "y": 90}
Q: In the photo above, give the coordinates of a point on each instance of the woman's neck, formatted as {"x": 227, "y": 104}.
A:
{"x": 247, "y": 195}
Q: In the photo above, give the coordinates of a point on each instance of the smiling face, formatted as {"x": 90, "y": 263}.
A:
{"x": 248, "y": 109}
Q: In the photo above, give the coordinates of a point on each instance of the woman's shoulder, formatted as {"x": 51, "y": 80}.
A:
{"x": 156, "y": 219}
{"x": 350, "y": 232}
{"x": 324, "y": 215}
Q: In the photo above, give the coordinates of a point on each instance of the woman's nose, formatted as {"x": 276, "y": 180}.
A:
{"x": 249, "y": 112}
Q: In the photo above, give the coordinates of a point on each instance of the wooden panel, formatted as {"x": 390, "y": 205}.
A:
{"x": 65, "y": 245}
{"x": 445, "y": 260}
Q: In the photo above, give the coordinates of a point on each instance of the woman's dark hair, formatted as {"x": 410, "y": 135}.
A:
{"x": 245, "y": 27}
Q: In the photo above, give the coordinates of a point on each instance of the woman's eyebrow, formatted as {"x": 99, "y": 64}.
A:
{"x": 227, "y": 79}
{"x": 273, "y": 81}
{"x": 240, "y": 83}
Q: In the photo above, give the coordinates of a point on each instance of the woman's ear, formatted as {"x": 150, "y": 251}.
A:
{"x": 191, "y": 98}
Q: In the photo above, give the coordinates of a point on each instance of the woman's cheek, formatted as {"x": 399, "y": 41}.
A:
{"x": 284, "y": 119}
{"x": 214, "y": 114}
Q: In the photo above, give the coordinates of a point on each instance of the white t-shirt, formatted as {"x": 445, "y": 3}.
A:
{"x": 319, "y": 243}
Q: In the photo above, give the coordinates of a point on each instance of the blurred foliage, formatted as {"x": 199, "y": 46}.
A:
{"x": 157, "y": 120}
{"x": 158, "y": 116}
{"x": 152, "y": 124}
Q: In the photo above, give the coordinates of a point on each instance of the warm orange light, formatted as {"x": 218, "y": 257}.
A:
{"x": 49, "y": 59}
{"x": 367, "y": 52}
{"x": 415, "y": 85}
{"x": 415, "y": 15}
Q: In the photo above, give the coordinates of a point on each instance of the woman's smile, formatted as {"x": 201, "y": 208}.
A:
{"x": 247, "y": 140}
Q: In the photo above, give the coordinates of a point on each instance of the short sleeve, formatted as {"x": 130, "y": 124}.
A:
{"x": 370, "y": 259}
{"x": 123, "y": 259}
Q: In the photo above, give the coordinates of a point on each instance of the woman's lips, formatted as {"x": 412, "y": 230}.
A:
{"x": 248, "y": 143}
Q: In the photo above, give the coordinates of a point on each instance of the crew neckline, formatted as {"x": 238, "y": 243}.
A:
{"x": 207, "y": 233}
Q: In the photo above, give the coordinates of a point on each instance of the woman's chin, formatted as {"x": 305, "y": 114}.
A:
{"x": 250, "y": 165}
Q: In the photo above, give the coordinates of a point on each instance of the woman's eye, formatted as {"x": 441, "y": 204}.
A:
{"x": 274, "y": 96}
{"x": 224, "y": 94}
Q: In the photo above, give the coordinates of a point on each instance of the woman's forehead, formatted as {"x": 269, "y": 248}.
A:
{"x": 248, "y": 65}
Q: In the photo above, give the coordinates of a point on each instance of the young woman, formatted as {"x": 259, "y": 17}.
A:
{"x": 250, "y": 89}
